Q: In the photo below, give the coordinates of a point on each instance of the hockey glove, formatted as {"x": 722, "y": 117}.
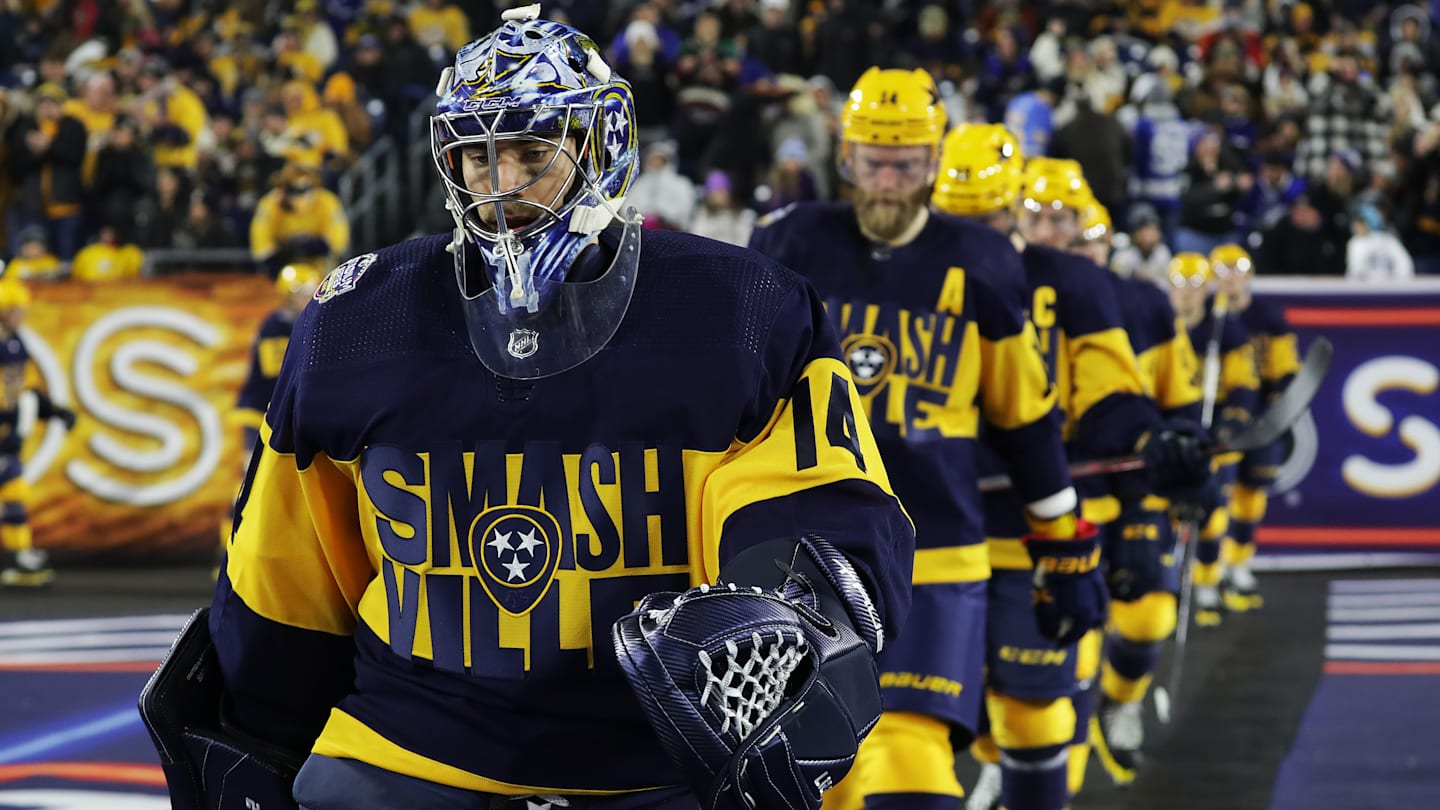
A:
{"x": 1134, "y": 549}
{"x": 1175, "y": 456}
{"x": 760, "y": 695}
{"x": 1069, "y": 590}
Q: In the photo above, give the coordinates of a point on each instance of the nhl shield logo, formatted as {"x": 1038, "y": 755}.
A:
{"x": 523, "y": 343}
{"x": 871, "y": 358}
{"x": 516, "y": 550}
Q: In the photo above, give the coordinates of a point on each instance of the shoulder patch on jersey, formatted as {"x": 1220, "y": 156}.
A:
{"x": 774, "y": 216}
{"x": 344, "y": 278}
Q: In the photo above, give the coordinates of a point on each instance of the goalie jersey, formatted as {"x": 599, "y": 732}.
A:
{"x": 1081, "y": 334}
{"x": 439, "y": 554}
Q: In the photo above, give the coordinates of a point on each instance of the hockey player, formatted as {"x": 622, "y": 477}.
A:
{"x": 1030, "y": 683}
{"x": 930, "y": 312}
{"x": 1191, "y": 280}
{"x": 23, "y": 565}
{"x": 1139, "y": 543}
{"x": 485, "y": 447}
{"x": 1276, "y": 361}
{"x": 296, "y": 284}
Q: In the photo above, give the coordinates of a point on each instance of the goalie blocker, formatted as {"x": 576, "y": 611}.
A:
{"x": 209, "y": 765}
{"x": 760, "y": 687}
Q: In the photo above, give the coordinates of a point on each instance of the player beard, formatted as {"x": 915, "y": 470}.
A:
{"x": 884, "y": 215}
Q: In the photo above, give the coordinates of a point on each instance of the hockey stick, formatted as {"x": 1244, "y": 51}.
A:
{"x": 1263, "y": 431}
{"x": 1190, "y": 523}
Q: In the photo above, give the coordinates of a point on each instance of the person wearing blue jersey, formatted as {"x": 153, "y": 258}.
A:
{"x": 486, "y": 447}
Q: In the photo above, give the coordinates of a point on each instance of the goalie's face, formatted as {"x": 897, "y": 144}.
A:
{"x": 531, "y": 174}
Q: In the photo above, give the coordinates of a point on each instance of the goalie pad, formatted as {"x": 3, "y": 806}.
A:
{"x": 761, "y": 695}
{"x": 207, "y": 765}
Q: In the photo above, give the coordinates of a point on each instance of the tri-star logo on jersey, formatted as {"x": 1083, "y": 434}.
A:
{"x": 871, "y": 358}
{"x": 518, "y": 548}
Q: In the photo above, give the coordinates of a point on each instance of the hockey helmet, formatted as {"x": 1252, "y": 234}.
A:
{"x": 1095, "y": 222}
{"x": 892, "y": 108}
{"x": 1056, "y": 184}
{"x": 1190, "y": 270}
{"x": 14, "y": 294}
{"x": 981, "y": 171}
{"x": 1231, "y": 258}
{"x": 298, "y": 277}
{"x": 542, "y": 84}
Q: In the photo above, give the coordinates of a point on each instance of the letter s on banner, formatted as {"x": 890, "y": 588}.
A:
{"x": 128, "y": 376}
{"x": 1392, "y": 481}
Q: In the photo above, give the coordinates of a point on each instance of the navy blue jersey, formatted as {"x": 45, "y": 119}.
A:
{"x": 1081, "y": 334}
{"x": 440, "y": 554}
{"x": 935, "y": 334}
{"x": 1276, "y": 355}
{"x": 1168, "y": 365}
{"x": 1237, "y": 395}
{"x": 14, "y": 358}
{"x": 267, "y": 352}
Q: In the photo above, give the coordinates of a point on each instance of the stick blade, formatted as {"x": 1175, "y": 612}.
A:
{"x": 1269, "y": 426}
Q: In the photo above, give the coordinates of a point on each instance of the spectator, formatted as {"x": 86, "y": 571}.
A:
{"x": 107, "y": 259}
{"x": 95, "y": 110}
{"x": 313, "y": 135}
{"x": 1101, "y": 146}
{"x": 842, "y": 39}
{"x": 33, "y": 258}
{"x": 1275, "y": 190}
{"x": 1295, "y": 245}
{"x": 719, "y": 217}
{"x": 298, "y": 221}
{"x": 317, "y": 38}
{"x": 1160, "y": 141}
{"x": 9, "y": 114}
{"x": 163, "y": 214}
{"x": 1345, "y": 111}
{"x": 340, "y": 99}
{"x": 791, "y": 179}
{"x": 1030, "y": 116}
{"x": 1217, "y": 181}
{"x": 47, "y": 151}
{"x": 203, "y": 228}
{"x": 1107, "y": 81}
{"x": 646, "y": 12}
{"x": 439, "y": 27}
{"x": 171, "y": 116}
{"x": 650, "y": 80}
{"x": 775, "y": 42}
{"x": 708, "y": 73}
{"x": 124, "y": 177}
{"x": 662, "y": 192}
{"x": 1373, "y": 253}
{"x": 1004, "y": 73}
{"x": 1145, "y": 256}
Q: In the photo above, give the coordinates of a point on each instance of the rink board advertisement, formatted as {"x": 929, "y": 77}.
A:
{"x": 1364, "y": 467}
{"x": 152, "y": 368}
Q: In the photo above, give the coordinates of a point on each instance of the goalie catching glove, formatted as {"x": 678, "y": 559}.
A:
{"x": 760, "y": 687}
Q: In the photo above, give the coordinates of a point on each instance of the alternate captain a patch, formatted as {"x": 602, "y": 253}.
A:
{"x": 344, "y": 278}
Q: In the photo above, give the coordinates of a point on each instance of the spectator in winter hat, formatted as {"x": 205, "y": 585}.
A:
{"x": 661, "y": 191}
{"x": 791, "y": 179}
{"x": 718, "y": 216}
{"x": 1373, "y": 253}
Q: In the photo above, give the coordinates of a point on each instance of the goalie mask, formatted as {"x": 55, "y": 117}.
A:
{"x": 534, "y": 140}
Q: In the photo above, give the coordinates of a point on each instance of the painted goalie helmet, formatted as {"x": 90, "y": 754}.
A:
{"x": 542, "y": 88}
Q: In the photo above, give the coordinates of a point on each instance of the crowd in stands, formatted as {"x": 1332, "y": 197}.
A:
{"x": 1306, "y": 130}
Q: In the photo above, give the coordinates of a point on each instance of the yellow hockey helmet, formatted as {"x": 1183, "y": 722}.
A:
{"x": 299, "y": 276}
{"x": 981, "y": 171}
{"x": 1055, "y": 183}
{"x": 14, "y": 294}
{"x": 893, "y": 108}
{"x": 1231, "y": 258}
{"x": 1095, "y": 222}
{"x": 1190, "y": 270}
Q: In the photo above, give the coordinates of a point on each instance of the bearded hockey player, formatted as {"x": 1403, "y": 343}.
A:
{"x": 1276, "y": 361}
{"x": 24, "y": 566}
{"x": 1031, "y": 680}
{"x": 1236, "y": 395}
{"x": 1139, "y": 543}
{"x": 486, "y": 447}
